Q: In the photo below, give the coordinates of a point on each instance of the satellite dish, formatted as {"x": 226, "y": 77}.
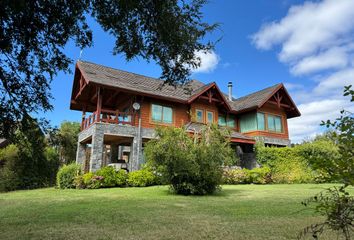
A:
{"x": 136, "y": 106}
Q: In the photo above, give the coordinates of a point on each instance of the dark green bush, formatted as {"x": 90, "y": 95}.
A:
{"x": 67, "y": 174}
{"x": 9, "y": 178}
{"x": 109, "y": 176}
{"x": 141, "y": 178}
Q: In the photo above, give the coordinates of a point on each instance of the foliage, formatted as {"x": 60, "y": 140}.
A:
{"x": 245, "y": 176}
{"x": 235, "y": 176}
{"x": 90, "y": 181}
{"x": 9, "y": 178}
{"x": 65, "y": 140}
{"x": 260, "y": 175}
{"x": 190, "y": 165}
{"x": 286, "y": 164}
{"x": 67, "y": 174}
{"x": 52, "y": 157}
{"x": 121, "y": 178}
{"x": 322, "y": 155}
{"x": 342, "y": 169}
{"x": 337, "y": 206}
{"x": 141, "y": 178}
{"x": 109, "y": 176}
{"x": 34, "y": 34}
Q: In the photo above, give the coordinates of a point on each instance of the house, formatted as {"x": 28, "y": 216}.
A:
{"x": 120, "y": 111}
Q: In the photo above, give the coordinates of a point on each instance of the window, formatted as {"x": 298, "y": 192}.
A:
{"x": 230, "y": 122}
{"x": 222, "y": 120}
{"x": 161, "y": 114}
{"x": 210, "y": 117}
{"x": 199, "y": 115}
{"x": 226, "y": 121}
{"x": 248, "y": 122}
{"x": 260, "y": 121}
{"x": 274, "y": 123}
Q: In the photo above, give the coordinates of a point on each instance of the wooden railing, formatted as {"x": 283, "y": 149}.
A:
{"x": 107, "y": 116}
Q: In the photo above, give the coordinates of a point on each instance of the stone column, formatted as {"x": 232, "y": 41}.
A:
{"x": 97, "y": 148}
{"x": 81, "y": 154}
{"x": 114, "y": 152}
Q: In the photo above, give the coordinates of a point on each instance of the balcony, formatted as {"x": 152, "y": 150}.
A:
{"x": 107, "y": 116}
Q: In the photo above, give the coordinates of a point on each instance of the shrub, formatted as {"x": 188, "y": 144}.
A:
{"x": 286, "y": 165}
{"x": 235, "y": 176}
{"x": 121, "y": 178}
{"x": 190, "y": 166}
{"x": 141, "y": 178}
{"x": 9, "y": 178}
{"x": 260, "y": 175}
{"x": 66, "y": 175}
{"x": 241, "y": 176}
{"x": 109, "y": 176}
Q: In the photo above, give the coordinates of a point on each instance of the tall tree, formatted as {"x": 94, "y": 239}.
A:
{"x": 34, "y": 33}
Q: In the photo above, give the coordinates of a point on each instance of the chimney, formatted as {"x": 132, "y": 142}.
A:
{"x": 229, "y": 85}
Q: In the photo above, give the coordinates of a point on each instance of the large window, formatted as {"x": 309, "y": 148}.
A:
{"x": 210, "y": 117}
{"x": 274, "y": 123}
{"x": 161, "y": 114}
{"x": 252, "y": 122}
{"x": 199, "y": 115}
{"x": 224, "y": 121}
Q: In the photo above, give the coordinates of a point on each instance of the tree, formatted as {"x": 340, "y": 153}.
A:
{"x": 191, "y": 165}
{"x": 67, "y": 139}
{"x": 336, "y": 204}
{"x": 34, "y": 33}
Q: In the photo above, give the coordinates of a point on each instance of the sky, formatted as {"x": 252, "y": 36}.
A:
{"x": 307, "y": 45}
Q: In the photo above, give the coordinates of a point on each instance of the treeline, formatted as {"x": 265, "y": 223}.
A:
{"x": 34, "y": 156}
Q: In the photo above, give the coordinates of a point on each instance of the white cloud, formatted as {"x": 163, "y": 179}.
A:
{"x": 308, "y": 28}
{"x": 209, "y": 61}
{"x": 316, "y": 39}
{"x": 332, "y": 59}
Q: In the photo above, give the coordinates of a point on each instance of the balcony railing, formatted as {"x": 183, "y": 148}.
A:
{"x": 107, "y": 116}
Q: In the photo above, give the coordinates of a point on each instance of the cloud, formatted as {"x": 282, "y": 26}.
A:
{"x": 314, "y": 39}
{"x": 308, "y": 28}
{"x": 209, "y": 61}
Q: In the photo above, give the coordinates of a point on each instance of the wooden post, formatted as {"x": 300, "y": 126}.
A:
{"x": 83, "y": 118}
{"x": 99, "y": 104}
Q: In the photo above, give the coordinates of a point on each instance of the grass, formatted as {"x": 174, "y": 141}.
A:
{"x": 237, "y": 212}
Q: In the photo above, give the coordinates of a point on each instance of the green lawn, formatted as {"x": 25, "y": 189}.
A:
{"x": 237, "y": 212}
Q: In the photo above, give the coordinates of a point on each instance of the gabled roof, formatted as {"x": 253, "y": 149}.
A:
{"x": 110, "y": 77}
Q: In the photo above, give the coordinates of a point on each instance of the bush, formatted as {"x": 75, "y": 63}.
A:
{"x": 190, "y": 166}
{"x": 260, "y": 175}
{"x": 141, "y": 178}
{"x": 241, "y": 176}
{"x": 92, "y": 181}
{"x": 67, "y": 174}
{"x": 286, "y": 164}
{"x": 9, "y": 178}
{"x": 235, "y": 176}
{"x": 109, "y": 176}
{"x": 121, "y": 178}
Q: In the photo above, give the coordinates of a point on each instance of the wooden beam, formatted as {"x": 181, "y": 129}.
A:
{"x": 279, "y": 104}
{"x": 209, "y": 99}
{"x": 99, "y": 103}
{"x": 113, "y": 95}
{"x": 82, "y": 86}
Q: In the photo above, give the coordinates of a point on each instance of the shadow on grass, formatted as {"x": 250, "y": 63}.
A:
{"x": 218, "y": 193}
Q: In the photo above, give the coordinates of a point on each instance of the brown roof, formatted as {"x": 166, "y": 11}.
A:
{"x": 146, "y": 85}
{"x": 135, "y": 82}
{"x": 253, "y": 100}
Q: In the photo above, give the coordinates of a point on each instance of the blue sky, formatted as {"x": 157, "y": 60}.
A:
{"x": 307, "y": 46}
